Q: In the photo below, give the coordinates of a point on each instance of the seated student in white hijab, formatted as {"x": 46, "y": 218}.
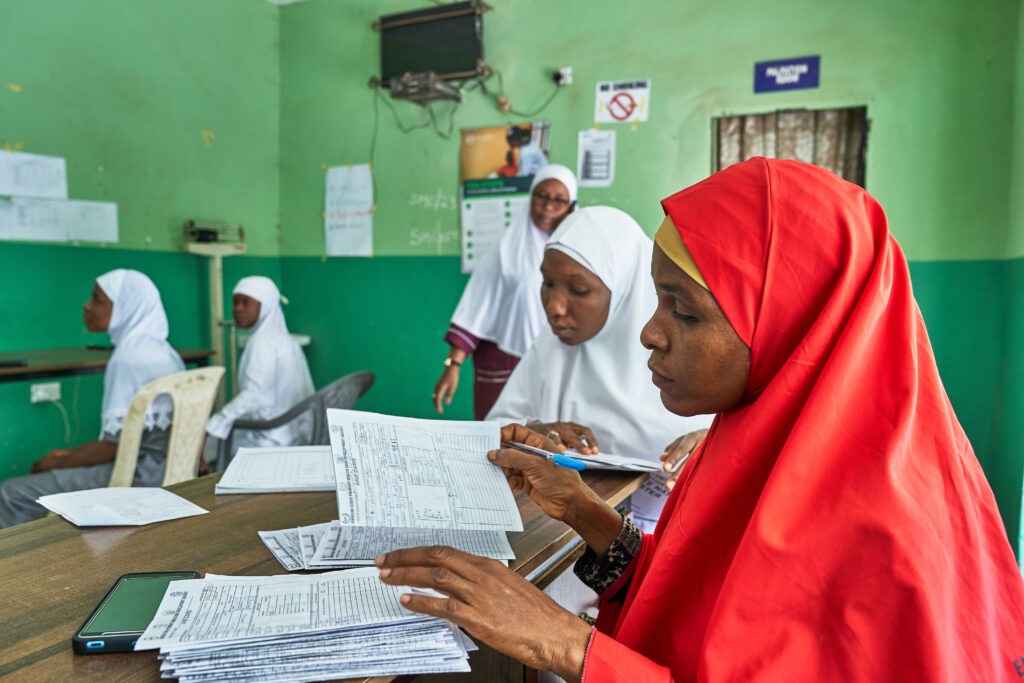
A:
{"x": 272, "y": 375}
{"x": 584, "y": 382}
{"x": 126, "y": 305}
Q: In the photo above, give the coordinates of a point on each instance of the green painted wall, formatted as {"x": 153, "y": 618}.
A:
{"x": 124, "y": 91}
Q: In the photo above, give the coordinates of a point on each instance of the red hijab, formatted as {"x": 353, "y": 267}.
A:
{"x": 836, "y": 526}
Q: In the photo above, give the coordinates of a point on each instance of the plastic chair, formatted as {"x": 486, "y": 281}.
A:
{"x": 192, "y": 393}
{"x": 341, "y": 393}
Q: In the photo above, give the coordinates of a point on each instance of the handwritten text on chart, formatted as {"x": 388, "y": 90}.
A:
{"x": 436, "y": 236}
{"x": 436, "y": 201}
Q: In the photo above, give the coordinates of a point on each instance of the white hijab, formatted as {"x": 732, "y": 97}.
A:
{"x": 138, "y": 330}
{"x": 604, "y": 382}
{"x": 501, "y": 302}
{"x": 272, "y": 375}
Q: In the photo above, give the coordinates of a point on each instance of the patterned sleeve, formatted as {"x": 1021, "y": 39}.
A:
{"x": 599, "y": 573}
{"x": 461, "y": 338}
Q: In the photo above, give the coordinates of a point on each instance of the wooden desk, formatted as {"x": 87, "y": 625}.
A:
{"x": 53, "y": 573}
{"x": 46, "y": 363}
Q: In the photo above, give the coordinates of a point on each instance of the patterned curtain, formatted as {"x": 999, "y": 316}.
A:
{"x": 831, "y": 138}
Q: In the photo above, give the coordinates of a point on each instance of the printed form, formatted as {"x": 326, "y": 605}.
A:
{"x": 411, "y": 473}
{"x": 338, "y": 625}
{"x": 278, "y": 469}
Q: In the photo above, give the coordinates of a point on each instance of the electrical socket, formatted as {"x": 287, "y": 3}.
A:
{"x": 563, "y": 76}
{"x": 48, "y": 391}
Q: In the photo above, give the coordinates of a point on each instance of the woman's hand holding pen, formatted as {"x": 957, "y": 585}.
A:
{"x": 578, "y": 437}
{"x": 678, "y": 452}
{"x": 492, "y": 603}
{"x": 558, "y": 491}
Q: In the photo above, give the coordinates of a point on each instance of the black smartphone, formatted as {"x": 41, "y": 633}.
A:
{"x": 124, "y": 612}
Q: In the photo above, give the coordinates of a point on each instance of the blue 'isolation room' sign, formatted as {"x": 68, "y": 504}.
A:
{"x": 787, "y": 74}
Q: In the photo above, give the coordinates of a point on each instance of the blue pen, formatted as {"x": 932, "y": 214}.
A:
{"x": 557, "y": 458}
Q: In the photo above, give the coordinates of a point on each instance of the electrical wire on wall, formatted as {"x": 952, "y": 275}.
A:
{"x": 432, "y": 120}
{"x": 504, "y": 104}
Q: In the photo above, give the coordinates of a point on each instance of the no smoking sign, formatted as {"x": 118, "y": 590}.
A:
{"x": 621, "y": 101}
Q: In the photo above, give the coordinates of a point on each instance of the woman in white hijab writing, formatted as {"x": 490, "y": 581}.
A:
{"x": 499, "y": 314}
{"x": 583, "y": 382}
{"x": 273, "y": 374}
{"x": 126, "y": 305}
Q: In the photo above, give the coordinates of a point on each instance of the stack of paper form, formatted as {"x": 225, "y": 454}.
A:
{"x": 343, "y": 624}
{"x": 401, "y": 482}
{"x": 279, "y": 469}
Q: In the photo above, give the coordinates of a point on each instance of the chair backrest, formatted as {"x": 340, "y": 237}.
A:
{"x": 341, "y": 393}
{"x": 192, "y": 393}
{"x": 310, "y": 414}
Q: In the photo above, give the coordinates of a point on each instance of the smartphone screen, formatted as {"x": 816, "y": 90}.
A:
{"x": 125, "y": 612}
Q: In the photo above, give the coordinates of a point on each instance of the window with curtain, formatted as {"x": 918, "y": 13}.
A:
{"x": 834, "y": 139}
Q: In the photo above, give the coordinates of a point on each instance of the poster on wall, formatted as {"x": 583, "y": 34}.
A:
{"x": 497, "y": 165}
{"x": 348, "y": 211}
{"x": 56, "y": 220}
{"x": 33, "y": 175}
{"x": 622, "y": 101}
{"x": 595, "y": 158}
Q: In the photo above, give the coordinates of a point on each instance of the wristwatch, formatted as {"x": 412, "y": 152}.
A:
{"x": 449, "y": 362}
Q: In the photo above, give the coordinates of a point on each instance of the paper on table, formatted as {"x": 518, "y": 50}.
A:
{"x": 120, "y": 506}
{"x": 410, "y": 473}
{"x": 278, "y": 469}
{"x": 348, "y": 544}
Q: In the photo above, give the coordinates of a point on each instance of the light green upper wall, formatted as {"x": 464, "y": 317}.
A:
{"x": 938, "y": 80}
{"x": 124, "y": 89}
{"x": 1015, "y": 238}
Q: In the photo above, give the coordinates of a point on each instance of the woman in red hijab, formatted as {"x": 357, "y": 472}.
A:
{"x": 835, "y": 523}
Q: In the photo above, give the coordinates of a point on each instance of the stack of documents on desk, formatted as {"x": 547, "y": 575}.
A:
{"x": 404, "y": 482}
{"x": 344, "y": 624}
{"x": 279, "y": 469}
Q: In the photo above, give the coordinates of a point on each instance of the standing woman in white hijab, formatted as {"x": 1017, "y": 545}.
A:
{"x": 584, "y": 381}
{"x": 126, "y": 305}
{"x": 499, "y": 314}
{"x": 273, "y": 374}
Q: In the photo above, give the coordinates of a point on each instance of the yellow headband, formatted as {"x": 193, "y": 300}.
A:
{"x": 672, "y": 244}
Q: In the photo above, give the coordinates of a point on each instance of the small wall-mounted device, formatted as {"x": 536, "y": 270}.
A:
{"x": 563, "y": 76}
{"x": 196, "y": 231}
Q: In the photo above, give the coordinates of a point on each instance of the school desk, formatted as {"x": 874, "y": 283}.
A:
{"x": 53, "y": 573}
{"x": 49, "y": 363}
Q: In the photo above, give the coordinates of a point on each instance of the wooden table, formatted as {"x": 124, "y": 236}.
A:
{"x": 46, "y": 363}
{"x": 53, "y": 573}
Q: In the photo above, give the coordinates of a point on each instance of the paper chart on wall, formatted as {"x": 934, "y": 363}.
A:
{"x": 348, "y": 211}
{"x": 58, "y": 220}
{"x": 33, "y": 175}
{"x": 595, "y": 160}
{"x": 489, "y": 208}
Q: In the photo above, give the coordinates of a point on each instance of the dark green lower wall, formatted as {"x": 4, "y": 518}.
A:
{"x": 968, "y": 307}
{"x": 389, "y": 315}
